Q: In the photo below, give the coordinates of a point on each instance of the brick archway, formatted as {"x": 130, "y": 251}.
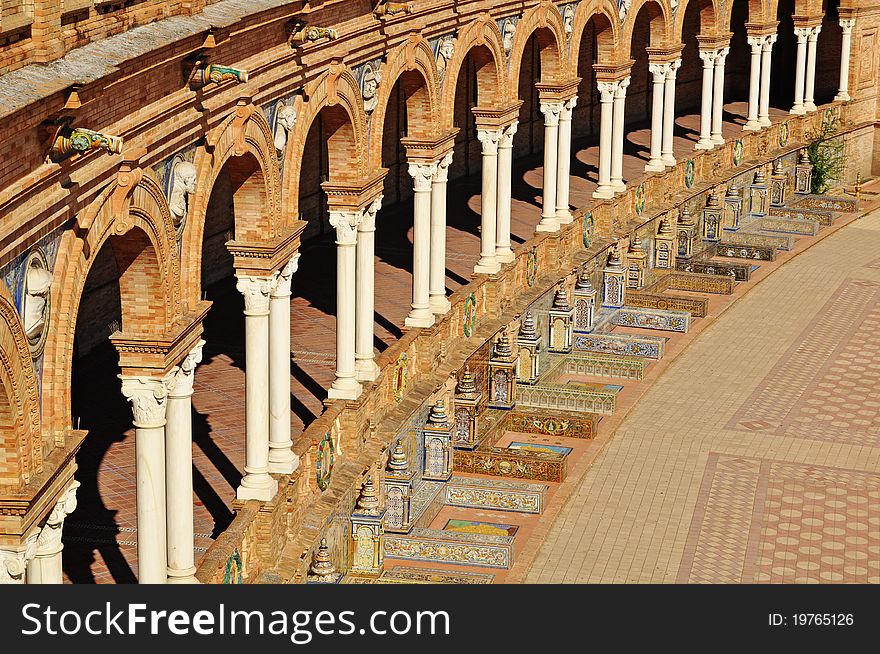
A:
{"x": 604, "y": 14}
{"x": 243, "y": 145}
{"x": 759, "y": 12}
{"x": 711, "y": 18}
{"x": 660, "y": 21}
{"x": 545, "y": 22}
{"x": 132, "y": 217}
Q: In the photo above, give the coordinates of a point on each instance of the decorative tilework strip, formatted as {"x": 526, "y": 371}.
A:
{"x": 497, "y": 495}
{"x": 511, "y": 464}
{"x": 697, "y": 283}
{"x": 696, "y": 306}
{"x": 567, "y": 396}
{"x": 604, "y": 365}
{"x": 747, "y": 237}
{"x": 822, "y": 217}
{"x": 650, "y": 347}
{"x": 671, "y": 321}
{"x": 753, "y": 252}
{"x": 736, "y": 271}
{"x": 789, "y": 225}
{"x": 829, "y": 202}
{"x": 451, "y": 547}
{"x": 557, "y": 423}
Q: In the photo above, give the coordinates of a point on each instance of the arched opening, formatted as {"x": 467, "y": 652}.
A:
{"x": 782, "y": 71}
{"x": 738, "y": 64}
{"x": 647, "y": 32}
{"x": 828, "y": 53}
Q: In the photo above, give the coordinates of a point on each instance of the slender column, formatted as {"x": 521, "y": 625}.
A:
{"x": 149, "y": 398}
{"x": 764, "y": 106}
{"x": 705, "y": 142}
{"x": 15, "y": 562}
{"x": 718, "y": 96}
{"x": 606, "y": 99}
{"x": 365, "y": 366}
{"x": 437, "y": 284}
{"x": 659, "y": 72}
{"x": 256, "y": 483}
{"x": 563, "y": 167}
{"x": 488, "y": 264}
{"x": 423, "y": 176}
{"x": 551, "y": 111}
{"x": 178, "y": 470}
{"x": 756, "y": 43}
{"x": 617, "y": 136}
{"x": 809, "y": 103}
{"x": 282, "y": 460}
{"x": 503, "y": 252}
{"x": 846, "y": 24}
{"x": 46, "y": 568}
{"x": 799, "y": 69}
{"x": 669, "y": 113}
{"x": 345, "y": 386}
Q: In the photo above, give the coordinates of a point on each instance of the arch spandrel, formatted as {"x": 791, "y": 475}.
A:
{"x": 760, "y": 11}
{"x": 711, "y": 18}
{"x": 554, "y": 64}
{"x": 609, "y": 46}
{"x": 413, "y": 55}
{"x": 661, "y": 25}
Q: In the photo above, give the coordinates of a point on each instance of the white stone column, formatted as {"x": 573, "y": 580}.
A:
{"x": 149, "y": 400}
{"x": 800, "y": 69}
{"x": 46, "y": 566}
{"x": 606, "y": 99}
{"x": 764, "y": 104}
{"x": 705, "y": 142}
{"x": 551, "y": 111}
{"x": 847, "y": 25}
{"x": 488, "y": 263}
{"x": 15, "y": 561}
{"x": 659, "y": 71}
{"x": 669, "y": 113}
{"x": 809, "y": 101}
{"x": 563, "y": 167}
{"x": 365, "y": 367}
{"x": 423, "y": 177}
{"x": 756, "y": 42}
{"x": 345, "y": 386}
{"x": 617, "y": 135}
{"x": 503, "y": 251}
{"x": 282, "y": 460}
{"x": 178, "y": 471}
{"x": 256, "y": 483}
{"x": 437, "y": 283}
{"x": 718, "y": 97}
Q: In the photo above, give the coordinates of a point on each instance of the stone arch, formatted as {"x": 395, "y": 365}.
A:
{"x": 412, "y": 63}
{"x": 243, "y": 144}
{"x": 545, "y": 22}
{"x": 131, "y": 215}
{"x": 337, "y": 95}
{"x": 20, "y": 427}
{"x": 758, "y": 12}
{"x": 660, "y": 21}
{"x": 710, "y": 18}
{"x": 608, "y": 31}
{"x": 483, "y": 38}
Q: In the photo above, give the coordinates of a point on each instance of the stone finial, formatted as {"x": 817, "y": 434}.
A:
{"x": 635, "y": 251}
{"x": 466, "y": 385}
{"x": 502, "y": 347}
{"x": 583, "y": 281}
{"x": 804, "y": 158}
{"x": 368, "y": 500}
{"x": 560, "y": 299}
{"x": 777, "y": 167}
{"x": 398, "y": 462}
{"x": 389, "y": 8}
{"x": 615, "y": 260}
{"x": 759, "y": 177}
{"x": 684, "y": 217}
{"x": 712, "y": 200}
{"x": 733, "y": 190}
{"x": 527, "y": 327}
{"x": 665, "y": 228}
{"x": 438, "y": 417}
{"x": 322, "y": 566}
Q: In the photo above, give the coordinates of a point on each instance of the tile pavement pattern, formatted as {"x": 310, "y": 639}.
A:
{"x": 755, "y": 457}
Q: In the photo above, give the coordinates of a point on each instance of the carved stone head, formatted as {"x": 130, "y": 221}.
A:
{"x": 372, "y": 79}
{"x": 183, "y": 184}
{"x": 37, "y": 283}
{"x": 508, "y": 31}
{"x": 285, "y": 121}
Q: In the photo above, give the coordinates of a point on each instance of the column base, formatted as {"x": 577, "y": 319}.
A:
{"x": 798, "y": 110}
{"x": 439, "y": 304}
{"x": 764, "y": 122}
{"x": 717, "y": 139}
{"x": 704, "y": 144}
{"x": 419, "y": 318}
{"x": 182, "y": 576}
{"x": 842, "y": 97}
{"x": 504, "y": 254}
{"x": 655, "y": 166}
{"x": 669, "y": 160}
{"x": 547, "y": 225}
{"x": 564, "y": 217}
{"x": 366, "y": 370}
{"x": 255, "y": 487}
{"x": 344, "y": 388}
{"x": 603, "y": 193}
{"x": 751, "y": 126}
{"x": 487, "y": 266}
{"x": 618, "y": 186}
{"x": 284, "y": 463}
{"x": 809, "y": 107}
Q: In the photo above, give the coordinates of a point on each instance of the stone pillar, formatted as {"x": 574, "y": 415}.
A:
{"x": 846, "y": 24}
{"x": 15, "y": 561}
{"x": 669, "y": 113}
{"x": 799, "y": 69}
{"x": 149, "y": 400}
{"x": 551, "y": 111}
{"x": 563, "y": 167}
{"x": 659, "y": 72}
{"x": 423, "y": 177}
{"x": 256, "y": 483}
{"x": 764, "y": 104}
{"x": 756, "y": 42}
{"x": 437, "y": 284}
{"x": 282, "y": 460}
{"x": 718, "y": 96}
{"x": 365, "y": 367}
{"x": 346, "y": 386}
{"x": 606, "y": 98}
{"x": 705, "y": 142}
{"x": 178, "y": 470}
{"x": 488, "y": 264}
{"x": 617, "y": 136}
{"x": 46, "y": 568}
{"x": 809, "y": 103}
{"x": 503, "y": 251}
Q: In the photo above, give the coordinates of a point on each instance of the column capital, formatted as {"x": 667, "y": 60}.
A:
{"x": 148, "y": 397}
{"x": 622, "y": 85}
{"x": 708, "y": 57}
{"x": 49, "y": 539}
{"x": 756, "y": 41}
{"x": 801, "y": 33}
{"x": 769, "y": 40}
{"x": 182, "y": 376}
{"x": 423, "y": 175}
{"x": 284, "y": 277}
{"x": 847, "y": 25}
{"x": 256, "y": 292}
{"x": 14, "y": 560}
{"x": 507, "y": 134}
{"x": 368, "y": 219}
{"x": 568, "y": 107}
{"x": 490, "y": 138}
{"x": 814, "y": 32}
{"x": 660, "y": 71}
{"x": 721, "y": 55}
{"x": 551, "y": 110}
{"x": 345, "y": 223}
{"x": 606, "y": 90}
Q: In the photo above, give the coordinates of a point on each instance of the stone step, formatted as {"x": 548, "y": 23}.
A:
{"x": 664, "y": 320}
{"x": 456, "y": 548}
{"x": 495, "y": 494}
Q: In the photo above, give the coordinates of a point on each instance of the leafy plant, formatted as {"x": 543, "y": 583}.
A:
{"x": 826, "y": 156}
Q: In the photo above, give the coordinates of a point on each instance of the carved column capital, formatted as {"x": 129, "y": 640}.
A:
{"x": 847, "y": 25}
{"x": 814, "y": 32}
{"x": 769, "y": 40}
{"x": 345, "y": 223}
{"x": 14, "y": 560}
{"x": 708, "y": 57}
{"x": 423, "y": 175}
{"x": 721, "y": 55}
{"x": 606, "y": 91}
{"x": 568, "y": 108}
{"x": 49, "y": 539}
{"x": 443, "y": 163}
{"x": 757, "y": 42}
{"x": 182, "y": 376}
{"x": 368, "y": 220}
{"x": 622, "y": 86}
{"x": 801, "y": 33}
{"x": 148, "y": 397}
{"x": 551, "y": 111}
{"x": 256, "y": 292}
{"x": 490, "y": 138}
{"x": 660, "y": 71}
{"x": 507, "y": 134}
{"x": 285, "y": 277}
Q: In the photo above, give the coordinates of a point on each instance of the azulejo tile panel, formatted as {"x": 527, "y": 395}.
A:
{"x": 714, "y": 284}
{"x": 604, "y": 365}
{"x": 511, "y": 464}
{"x": 557, "y": 423}
{"x": 403, "y": 575}
{"x": 570, "y": 397}
{"x": 789, "y": 225}
{"x": 672, "y": 321}
{"x": 697, "y": 307}
{"x": 442, "y": 546}
{"x": 753, "y": 252}
{"x": 493, "y": 494}
{"x": 828, "y": 202}
{"x": 738, "y": 272}
{"x": 624, "y": 344}
{"x": 824, "y": 218}
{"x": 746, "y": 237}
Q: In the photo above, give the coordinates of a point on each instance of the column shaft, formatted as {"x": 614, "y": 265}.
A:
{"x": 617, "y": 136}
{"x": 282, "y": 460}
{"x": 754, "y": 84}
{"x": 800, "y": 70}
{"x": 809, "y": 100}
{"x": 659, "y": 72}
{"x": 423, "y": 175}
{"x": 365, "y": 366}
{"x": 563, "y": 168}
{"x": 503, "y": 251}
{"x": 551, "y": 111}
{"x": 705, "y": 142}
{"x": 764, "y": 106}
{"x": 669, "y": 114}
{"x": 437, "y": 291}
{"x": 606, "y": 99}
{"x": 846, "y": 25}
{"x": 718, "y": 97}
{"x": 488, "y": 263}
{"x": 345, "y": 386}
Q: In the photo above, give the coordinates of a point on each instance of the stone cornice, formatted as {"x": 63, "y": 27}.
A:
{"x": 762, "y": 29}
{"x": 354, "y": 196}
{"x": 428, "y": 151}
{"x": 807, "y": 21}
{"x": 664, "y": 55}
{"x": 613, "y": 72}
{"x": 490, "y": 118}
{"x": 558, "y": 91}
{"x": 714, "y": 41}
{"x": 261, "y": 259}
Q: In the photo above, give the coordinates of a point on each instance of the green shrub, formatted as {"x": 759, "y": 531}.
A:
{"x": 826, "y": 156}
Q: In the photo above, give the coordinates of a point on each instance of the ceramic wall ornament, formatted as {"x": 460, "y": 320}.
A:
{"x": 689, "y": 173}
{"x": 828, "y": 118}
{"x": 469, "y": 320}
{"x": 784, "y": 131}
{"x": 69, "y": 140}
{"x": 370, "y": 77}
{"x": 401, "y": 377}
{"x": 507, "y": 27}
{"x": 640, "y": 199}
{"x": 738, "y": 152}
{"x": 589, "y": 227}
{"x": 234, "y": 572}
{"x": 324, "y": 461}
{"x": 532, "y": 266}
{"x": 36, "y": 301}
